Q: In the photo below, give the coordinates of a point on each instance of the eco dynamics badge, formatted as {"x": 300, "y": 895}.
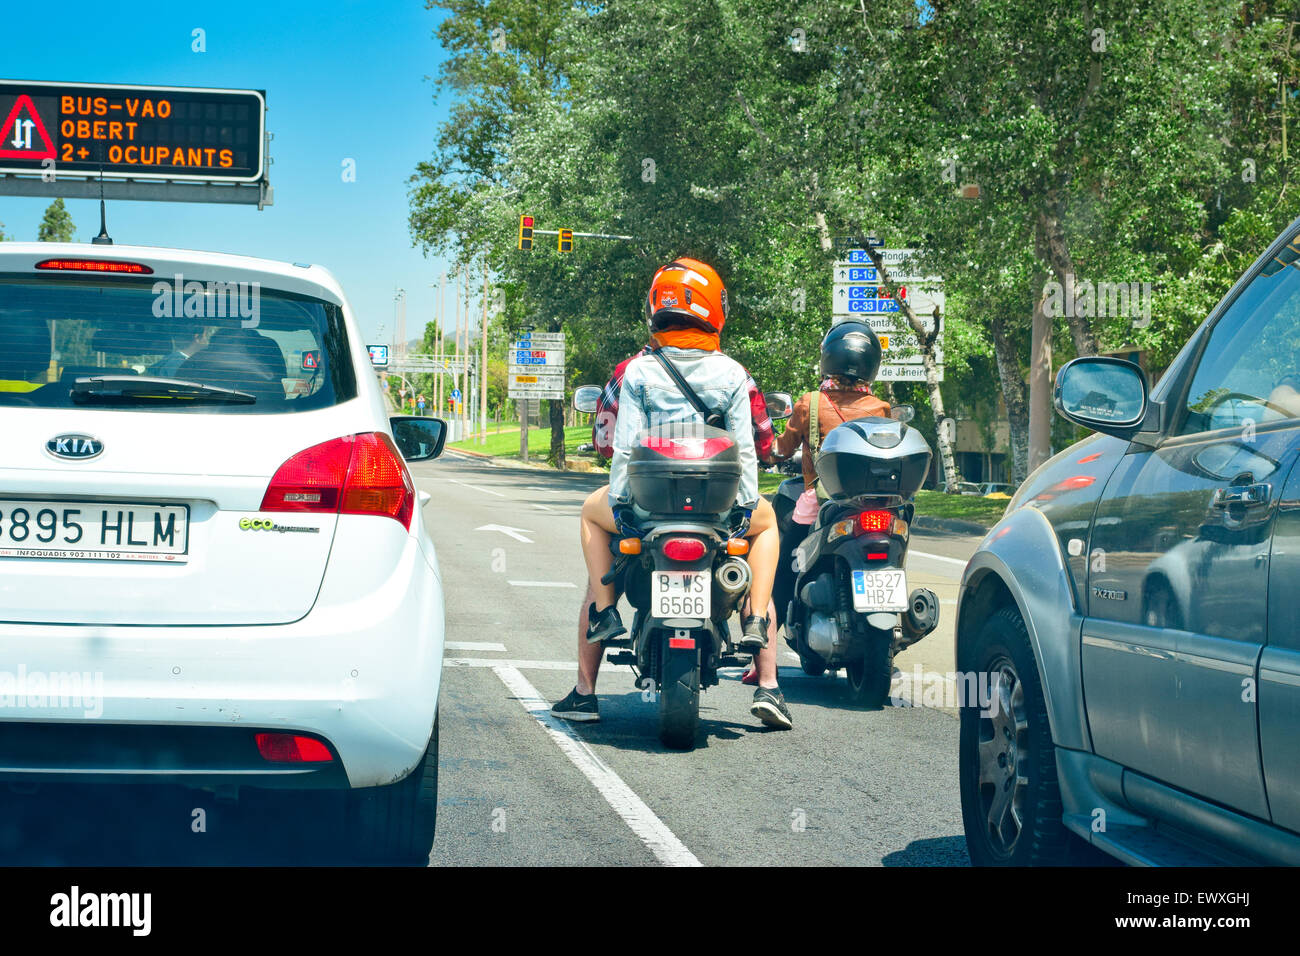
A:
{"x": 266, "y": 524}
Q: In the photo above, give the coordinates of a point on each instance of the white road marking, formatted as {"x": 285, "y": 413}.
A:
{"x": 474, "y": 646}
{"x": 642, "y": 821}
{"x": 516, "y": 533}
{"x": 938, "y": 557}
{"x": 466, "y": 484}
{"x": 542, "y": 584}
{"x": 527, "y": 665}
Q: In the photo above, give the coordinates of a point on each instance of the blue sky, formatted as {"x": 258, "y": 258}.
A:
{"x": 343, "y": 79}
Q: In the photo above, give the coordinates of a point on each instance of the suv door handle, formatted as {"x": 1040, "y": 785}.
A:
{"x": 1249, "y": 496}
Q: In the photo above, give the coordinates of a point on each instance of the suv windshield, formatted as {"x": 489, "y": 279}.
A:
{"x": 81, "y": 342}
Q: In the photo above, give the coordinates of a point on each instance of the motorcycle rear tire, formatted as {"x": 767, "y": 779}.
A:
{"x": 679, "y": 696}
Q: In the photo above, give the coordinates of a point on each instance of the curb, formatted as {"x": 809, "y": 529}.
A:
{"x": 470, "y": 454}
{"x": 954, "y": 525}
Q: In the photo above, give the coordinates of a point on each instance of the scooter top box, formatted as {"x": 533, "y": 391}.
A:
{"x": 684, "y": 470}
{"x": 873, "y": 456}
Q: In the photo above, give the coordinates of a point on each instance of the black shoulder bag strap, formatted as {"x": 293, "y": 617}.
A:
{"x": 711, "y": 418}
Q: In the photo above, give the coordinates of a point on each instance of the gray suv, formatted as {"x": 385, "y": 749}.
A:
{"x": 1132, "y": 618}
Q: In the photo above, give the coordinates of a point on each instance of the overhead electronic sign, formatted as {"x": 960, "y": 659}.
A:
{"x": 185, "y": 134}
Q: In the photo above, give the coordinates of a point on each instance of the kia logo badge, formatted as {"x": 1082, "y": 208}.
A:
{"x": 79, "y": 447}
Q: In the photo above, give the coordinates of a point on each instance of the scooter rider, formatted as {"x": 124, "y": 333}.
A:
{"x": 851, "y": 357}
{"x": 687, "y": 308}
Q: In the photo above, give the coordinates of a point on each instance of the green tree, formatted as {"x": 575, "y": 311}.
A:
{"x": 56, "y": 225}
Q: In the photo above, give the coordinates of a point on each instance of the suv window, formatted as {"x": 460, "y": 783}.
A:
{"x": 1250, "y": 368}
{"x": 292, "y": 356}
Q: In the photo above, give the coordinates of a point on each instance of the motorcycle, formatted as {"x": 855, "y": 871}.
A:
{"x": 850, "y": 605}
{"x": 684, "y": 568}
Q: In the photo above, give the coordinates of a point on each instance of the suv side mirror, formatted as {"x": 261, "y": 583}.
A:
{"x": 1108, "y": 395}
{"x": 418, "y": 439}
{"x": 780, "y": 405}
{"x": 585, "y": 398}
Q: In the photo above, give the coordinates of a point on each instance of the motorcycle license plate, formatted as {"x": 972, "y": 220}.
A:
{"x": 682, "y": 594}
{"x": 883, "y": 590}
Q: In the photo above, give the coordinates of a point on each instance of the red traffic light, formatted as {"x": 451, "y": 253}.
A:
{"x": 527, "y": 221}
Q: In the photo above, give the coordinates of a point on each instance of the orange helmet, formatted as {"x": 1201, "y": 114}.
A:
{"x": 687, "y": 292}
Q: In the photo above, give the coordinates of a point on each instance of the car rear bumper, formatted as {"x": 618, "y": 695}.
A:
{"x": 362, "y": 672}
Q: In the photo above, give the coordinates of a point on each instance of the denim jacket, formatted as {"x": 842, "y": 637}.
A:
{"x": 649, "y": 397}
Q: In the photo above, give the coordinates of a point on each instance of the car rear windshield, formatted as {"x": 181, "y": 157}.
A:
{"x": 215, "y": 347}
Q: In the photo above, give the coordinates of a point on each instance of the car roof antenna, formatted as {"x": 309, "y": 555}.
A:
{"x": 103, "y": 239}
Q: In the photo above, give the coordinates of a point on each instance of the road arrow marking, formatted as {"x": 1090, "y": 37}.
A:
{"x": 512, "y": 532}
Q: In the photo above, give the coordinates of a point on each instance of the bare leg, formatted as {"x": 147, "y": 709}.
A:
{"x": 765, "y": 659}
{"x": 589, "y": 655}
{"x": 764, "y": 552}
{"x": 596, "y": 527}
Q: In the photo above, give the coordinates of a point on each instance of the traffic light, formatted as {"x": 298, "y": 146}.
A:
{"x": 525, "y": 232}
{"x": 566, "y": 240}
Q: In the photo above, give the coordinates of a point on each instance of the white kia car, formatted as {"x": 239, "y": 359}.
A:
{"x": 213, "y": 568}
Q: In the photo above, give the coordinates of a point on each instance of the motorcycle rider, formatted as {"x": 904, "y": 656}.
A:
{"x": 686, "y": 309}
{"x": 851, "y": 357}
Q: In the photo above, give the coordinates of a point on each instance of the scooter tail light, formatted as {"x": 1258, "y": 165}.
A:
{"x": 870, "y": 522}
{"x": 683, "y": 549}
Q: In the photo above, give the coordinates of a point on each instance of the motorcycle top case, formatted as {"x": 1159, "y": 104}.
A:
{"x": 872, "y": 456}
{"x": 685, "y": 470}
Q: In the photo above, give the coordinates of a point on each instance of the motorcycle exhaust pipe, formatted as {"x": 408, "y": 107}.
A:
{"x": 733, "y": 577}
{"x": 922, "y": 616}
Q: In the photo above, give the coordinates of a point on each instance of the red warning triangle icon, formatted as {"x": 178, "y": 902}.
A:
{"x": 16, "y": 140}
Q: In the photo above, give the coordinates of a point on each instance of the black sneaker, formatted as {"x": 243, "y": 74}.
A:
{"x": 769, "y": 707}
{"x": 603, "y": 625}
{"x": 753, "y": 634}
{"x": 578, "y": 707}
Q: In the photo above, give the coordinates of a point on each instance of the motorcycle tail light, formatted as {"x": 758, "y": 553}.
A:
{"x": 683, "y": 549}
{"x": 737, "y": 546}
{"x": 629, "y": 546}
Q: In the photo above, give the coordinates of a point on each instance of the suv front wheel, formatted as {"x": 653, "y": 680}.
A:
{"x": 1010, "y": 799}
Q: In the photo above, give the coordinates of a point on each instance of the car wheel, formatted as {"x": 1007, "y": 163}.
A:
{"x": 395, "y": 823}
{"x": 1010, "y": 797}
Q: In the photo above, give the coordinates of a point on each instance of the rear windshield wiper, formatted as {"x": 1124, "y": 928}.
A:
{"x": 145, "y": 390}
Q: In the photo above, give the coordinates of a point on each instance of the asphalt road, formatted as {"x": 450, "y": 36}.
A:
{"x": 517, "y": 787}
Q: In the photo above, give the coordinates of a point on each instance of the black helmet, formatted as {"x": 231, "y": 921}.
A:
{"x": 851, "y": 350}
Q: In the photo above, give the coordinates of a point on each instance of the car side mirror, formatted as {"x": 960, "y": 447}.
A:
{"x": 902, "y": 413}
{"x": 418, "y": 439}
{"x": 780, "y": 405}
{"x": 585, "y": 398}
{"x": 1108, "y": 395}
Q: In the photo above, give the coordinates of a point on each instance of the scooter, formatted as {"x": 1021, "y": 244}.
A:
{"x": 851, "y": 607}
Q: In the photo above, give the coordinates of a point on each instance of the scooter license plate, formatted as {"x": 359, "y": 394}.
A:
{"x": 883, "y": 590}
{"x": 683, "y": 594}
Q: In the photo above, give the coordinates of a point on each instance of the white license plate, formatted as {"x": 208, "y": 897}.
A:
{"x": 682, "y": 594}
{"x": 883, "y": 590}
{"x": 93, "y": 530}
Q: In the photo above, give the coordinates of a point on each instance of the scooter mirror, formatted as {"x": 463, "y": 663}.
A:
{"x": 902, "y": 413}
{"x": 585, "y": 399}
{"x": 780, "y": 405}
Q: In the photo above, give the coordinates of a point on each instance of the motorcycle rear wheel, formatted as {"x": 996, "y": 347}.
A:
{"x": 679, "y": 695}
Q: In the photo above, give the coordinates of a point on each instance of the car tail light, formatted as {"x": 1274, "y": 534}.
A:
{"x": 96, "y": 265}
{"x": 683, "y": 549}
{"x": 355, "y": 475}
{"x": 687, "y": 449}
{"x": 874, "y": 521}
{"x": 292, "y": 748}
